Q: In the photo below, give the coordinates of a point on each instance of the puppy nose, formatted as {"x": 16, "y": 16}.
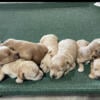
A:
{"x": 94, "y": 57}
{"x": 53, "y": 76}
{"x": 98, "y": 77}
{"x": 16, "y": 56}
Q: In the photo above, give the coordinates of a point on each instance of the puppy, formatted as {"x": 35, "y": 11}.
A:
{"x": 81, "y": 50}
{"x": 88, "y": 52}
{"x": 51, "y": 42}
{"x": 7, "y": 55}
{"x": 95, "y": 69}
{"x": 64, "y": 60}
{"x": 21, "y": 69}
{"x": 27, "y": 50}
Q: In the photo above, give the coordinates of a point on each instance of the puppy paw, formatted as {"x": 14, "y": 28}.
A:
{"x": 80, "y": 69}
{"x": 66, "y": 73}
{"x": 18, "y": 80}
{"x": 87, "y": 62}
{"x": 73, "y": 66}
{"x": 91, "y": 76}
{"x": 1, "y": 78}
{"x": 46, "y": 70}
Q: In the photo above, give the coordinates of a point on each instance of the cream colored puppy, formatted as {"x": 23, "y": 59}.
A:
{"x": 7, "y": 55}
{"x": 95, "y": 69}
{"x": 51, "y": 42}
{"x": 21, "y": 69}
{"x": 27, "y": 50}
{"x": 64, "y": 60}
{"x": 81, "y": 50}
{"x": 88, "y": 53}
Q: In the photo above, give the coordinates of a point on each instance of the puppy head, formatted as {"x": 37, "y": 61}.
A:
{"x": 48, "y": 36}
{"x": 7, "y": 55}
{"x": 45, "y": 63}
{"x": 96, "y": 53}
{"x": 58, "y": 66}
{"x": 8, "y": 42}
{"x": 56, "y": 72}
{"x": 82, "y": 43}
{"x": 95, "y": 69}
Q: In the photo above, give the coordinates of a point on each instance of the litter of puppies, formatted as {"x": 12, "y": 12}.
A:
{"x": 26, "y": 60}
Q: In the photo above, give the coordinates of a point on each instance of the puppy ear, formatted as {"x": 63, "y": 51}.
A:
{"x": 6, "y": 53}
{"x": 9, "y": 53}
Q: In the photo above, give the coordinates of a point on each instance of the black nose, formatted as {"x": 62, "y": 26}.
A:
{"x": 53, "y": 76}
{"x": 16, "y": 56}
{"x": 94, "y": 57}
{"x": 98, "y": 77}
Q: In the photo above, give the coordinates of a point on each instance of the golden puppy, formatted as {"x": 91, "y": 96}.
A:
{"x": 51, "y": 42}
{"x": 81, "y": 53}
{"x": 27, "y": 50}
{"x": 21, "y": 70}
{"x": 88, "y": 52}
{"x": 7, "y": 55}
{"x": 95, "y": 69}
{"x": 64, "y": 60}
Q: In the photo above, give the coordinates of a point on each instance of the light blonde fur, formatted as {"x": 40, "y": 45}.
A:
{"x": 21, "y": 69}
{"x": 51, "y": 42}
{"x": 64, "y": 60}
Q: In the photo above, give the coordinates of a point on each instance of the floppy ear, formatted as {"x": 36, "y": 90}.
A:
{"x": 4, "y": 54}
{"x": 8, "y": 53}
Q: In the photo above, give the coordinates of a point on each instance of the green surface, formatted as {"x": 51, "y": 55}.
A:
{"x": 66, "y": 20}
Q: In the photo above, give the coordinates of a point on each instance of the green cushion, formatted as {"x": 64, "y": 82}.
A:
{"x": 66, "y": 20}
